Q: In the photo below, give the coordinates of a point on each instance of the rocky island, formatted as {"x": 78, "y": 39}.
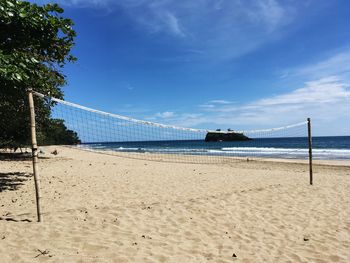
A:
{"x": 217, "y": 136}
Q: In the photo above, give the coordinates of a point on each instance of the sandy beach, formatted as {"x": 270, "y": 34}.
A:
{"x": 102, "y": 208}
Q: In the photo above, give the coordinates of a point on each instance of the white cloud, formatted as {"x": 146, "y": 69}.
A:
{"x": 337, "y": 63}
{"x": 207, "y": 106}
{"x": 326, "y": 90}
{"x": 178, "y": 119}
{"x": 326, "y": 101}
{"x": 165, "y": 114}
{"x": 187, "y": 119}
{"x": 221, "y": 102}
{"x": 327, "y": 98}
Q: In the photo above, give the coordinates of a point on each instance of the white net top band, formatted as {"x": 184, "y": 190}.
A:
{"x": 158, "y": 124}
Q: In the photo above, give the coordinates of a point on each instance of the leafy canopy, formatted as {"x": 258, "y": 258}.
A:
{"x": 35, "y": 44}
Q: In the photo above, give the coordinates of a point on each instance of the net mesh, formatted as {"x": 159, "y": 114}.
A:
{"x": 127, "y": 137}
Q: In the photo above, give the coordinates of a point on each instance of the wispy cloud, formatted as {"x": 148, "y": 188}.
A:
{"x": 165, "y": 114}
{"x": 213, "y": 104}
{"x": 220, "y": 29}
{"x": 325, "y": 100}
{"x": 326, "y": 90}
{"x": 206, "y": 106}
{"x": 125, "y": 85}
{"x": 221, "y": 102}
{"x": 270, "y": 13}
{"x": 178, "y": 119}
{"x": 173, "y": 23}
{"x": 337, "y": 63}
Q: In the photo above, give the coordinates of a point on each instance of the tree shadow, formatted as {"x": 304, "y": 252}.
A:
{"x": 12, "y": 181}
{"x": 11, "y": 156}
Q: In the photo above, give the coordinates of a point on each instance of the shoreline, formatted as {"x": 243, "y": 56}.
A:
{"x": 210, "y": 159}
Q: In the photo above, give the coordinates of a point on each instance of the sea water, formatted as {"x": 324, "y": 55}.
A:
{"x": 324, "y": 148}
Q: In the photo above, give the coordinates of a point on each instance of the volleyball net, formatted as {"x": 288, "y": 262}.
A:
{"x": 103, "y": 132}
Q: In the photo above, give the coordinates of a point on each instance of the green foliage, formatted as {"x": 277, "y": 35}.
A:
{"x": 55, "y": 132}
{"x": 35, "y": 44}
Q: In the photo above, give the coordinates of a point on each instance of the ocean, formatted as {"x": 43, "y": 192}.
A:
{"x": 324, "y": 148}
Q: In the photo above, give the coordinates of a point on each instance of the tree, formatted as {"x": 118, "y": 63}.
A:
{"x": 57, "y": 133}
{"x": 35, "y": 44}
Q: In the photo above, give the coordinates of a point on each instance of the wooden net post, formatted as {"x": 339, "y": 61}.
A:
{"x": 35, "y": 154}
{"x": 310, "y": 149}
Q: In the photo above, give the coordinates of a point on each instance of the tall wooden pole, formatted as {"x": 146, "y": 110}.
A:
{"x": 35, "y": 155}
{"x": 310, "y": 149}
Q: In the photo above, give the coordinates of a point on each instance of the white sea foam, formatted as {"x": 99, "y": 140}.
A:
{"x": 298, "y": 153}
{"x": 287, "y": 152}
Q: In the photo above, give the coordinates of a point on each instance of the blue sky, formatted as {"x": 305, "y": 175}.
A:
{"x": 214, "y": 64}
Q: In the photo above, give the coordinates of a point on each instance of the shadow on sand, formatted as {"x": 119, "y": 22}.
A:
{"x": 12, "y": 181}
{"x": 11, "y": 156}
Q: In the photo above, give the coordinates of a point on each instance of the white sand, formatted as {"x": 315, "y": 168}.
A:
{"x": 100, "y": 208}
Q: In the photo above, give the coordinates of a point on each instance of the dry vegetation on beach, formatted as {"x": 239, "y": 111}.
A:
{"x": 101, "y": 208}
